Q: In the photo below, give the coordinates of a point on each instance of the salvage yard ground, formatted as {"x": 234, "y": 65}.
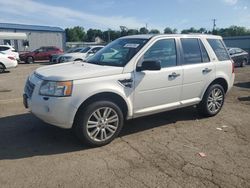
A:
{"x": 156, "y": 151}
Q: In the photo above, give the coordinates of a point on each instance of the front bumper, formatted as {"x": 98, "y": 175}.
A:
{"x": 56, "y": 111}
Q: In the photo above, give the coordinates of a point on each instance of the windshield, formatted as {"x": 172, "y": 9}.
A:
{"x": 118, "y": 53}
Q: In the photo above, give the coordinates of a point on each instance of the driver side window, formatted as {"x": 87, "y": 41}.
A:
{"x": 163, "y": 51}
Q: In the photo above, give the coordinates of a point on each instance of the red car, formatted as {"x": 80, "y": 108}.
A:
{"x": 41, "y": 54}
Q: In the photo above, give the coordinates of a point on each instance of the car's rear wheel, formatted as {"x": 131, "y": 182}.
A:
{"x": 29, "y": 60}
{"x": 212, "y": 101}
{"x": 98, "y": 123}
{"x": 244, "y": 62}
{"x": 2, "y": 68}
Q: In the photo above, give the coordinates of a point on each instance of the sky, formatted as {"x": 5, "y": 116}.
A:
{"x": 134, "y": 14}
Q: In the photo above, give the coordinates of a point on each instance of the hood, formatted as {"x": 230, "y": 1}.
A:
{"x": 76, "y": 70}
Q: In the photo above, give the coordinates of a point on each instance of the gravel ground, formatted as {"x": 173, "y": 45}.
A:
{"x": 155, "y": 151}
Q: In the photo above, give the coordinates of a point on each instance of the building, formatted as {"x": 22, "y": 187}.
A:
{"x": 242, "y": 42}
{"x": 98, "y": 41}
{"x": 37, "y": 36}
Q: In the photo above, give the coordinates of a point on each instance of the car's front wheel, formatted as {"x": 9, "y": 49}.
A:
{"x": 29, "y": 60}
{"x": 98, "y": 123}
{"x": 2, "y": 68}
{"x": 212, "y": 101}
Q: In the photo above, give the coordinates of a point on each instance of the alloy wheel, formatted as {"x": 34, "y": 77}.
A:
{"x": 215, "y": 100}
{"x": 102, "y": 124}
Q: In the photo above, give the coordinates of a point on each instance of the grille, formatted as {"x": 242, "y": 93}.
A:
{"x": 29, "y": 88}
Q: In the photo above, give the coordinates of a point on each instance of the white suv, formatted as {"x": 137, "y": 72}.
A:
{"x": 9, "y": 50}
{"x": 131, "y": 77}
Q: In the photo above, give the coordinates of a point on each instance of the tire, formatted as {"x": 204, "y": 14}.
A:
{"x": 29, "y": 60}
{"x": 212, "y": 101}
{"x": 243, "y": 63}
{"x": 2, "y": 68}
{"x": 78, "y": 60}
{"x": 91, "y": 125}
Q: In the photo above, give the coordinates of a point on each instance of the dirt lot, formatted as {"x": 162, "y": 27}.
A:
{"x": 156, "y": 151}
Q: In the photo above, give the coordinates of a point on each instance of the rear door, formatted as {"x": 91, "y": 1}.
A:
{"x": 198, "y": 70}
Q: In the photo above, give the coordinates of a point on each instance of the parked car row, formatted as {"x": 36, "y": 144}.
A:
{"x": 77, "y": 54}
{"x": 239, "y": 56}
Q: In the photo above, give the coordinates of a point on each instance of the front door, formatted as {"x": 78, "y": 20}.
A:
{"x": 156, "y": 91}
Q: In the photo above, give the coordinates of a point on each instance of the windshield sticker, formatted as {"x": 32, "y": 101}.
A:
{"x": 130, "y": 45}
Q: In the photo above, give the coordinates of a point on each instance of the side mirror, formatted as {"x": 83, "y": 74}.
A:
{"x": 149, "y": 65}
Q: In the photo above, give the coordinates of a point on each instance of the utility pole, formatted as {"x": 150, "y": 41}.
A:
{"x": 214, "y": 25}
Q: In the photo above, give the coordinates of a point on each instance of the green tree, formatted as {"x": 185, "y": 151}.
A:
{"x": 75, "y": 34}
{"x": 233, "y": 31}
{"x": 143, "y": 30}
{"x": 168, "y": 30}
{"x": 154, "y": 31}
{"x": 110, "y": 35}
{"x": 92, "y": 34}
{"x": 132, "y": 32}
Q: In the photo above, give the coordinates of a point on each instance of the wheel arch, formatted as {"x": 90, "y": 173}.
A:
{"x": 110, "y": 96}
{"x": 220, "y": 80}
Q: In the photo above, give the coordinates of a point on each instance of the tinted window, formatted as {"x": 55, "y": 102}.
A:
{"x": 3, "y": 48}
{"x": 163, "y": 51}
{"x": 191, "y": 50}
{"x": 50, "y": 49}
{"x": 84, "y": 50}
{"x": 219, "y": 49}
{"x": 204, "y": 53}
{"x": 94, "y": 50}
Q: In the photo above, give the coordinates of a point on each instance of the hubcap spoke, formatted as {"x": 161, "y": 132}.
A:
{"x": 92, "y": 124}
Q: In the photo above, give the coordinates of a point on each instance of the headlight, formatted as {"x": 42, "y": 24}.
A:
{"x": 56, "y": 89}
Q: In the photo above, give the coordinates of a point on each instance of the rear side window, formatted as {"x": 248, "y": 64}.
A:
{"x": 3, "y": 48}
{"x": 163, "y": 51}
{"x": 204, "y": 54}
{"x": 219, "y": 49}
{"x": 191, "y": 50}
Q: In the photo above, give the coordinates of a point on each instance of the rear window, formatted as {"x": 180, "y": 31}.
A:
{"x": 219, "y": 49}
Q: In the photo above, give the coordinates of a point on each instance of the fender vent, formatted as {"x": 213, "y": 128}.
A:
{"x": 126, "y": 82}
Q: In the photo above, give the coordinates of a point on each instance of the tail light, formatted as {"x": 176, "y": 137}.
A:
{"x": 11, "y": 58}
{"x": 232, "y": 66}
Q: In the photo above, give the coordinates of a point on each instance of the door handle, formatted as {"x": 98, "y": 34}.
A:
{"x": 173, "y": 75}
{"x": 206, "y": 70}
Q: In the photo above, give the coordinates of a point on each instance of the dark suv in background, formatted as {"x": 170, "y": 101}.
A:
{"x": 239, "y": 56}
{"x": 40, "y": 54}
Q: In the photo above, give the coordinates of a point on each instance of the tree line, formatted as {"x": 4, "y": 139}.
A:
{"x": 78, "y": 34}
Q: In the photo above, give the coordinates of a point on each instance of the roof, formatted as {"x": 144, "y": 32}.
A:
{"x": 149, "y": 36}
{"x": 30, "y": 27}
